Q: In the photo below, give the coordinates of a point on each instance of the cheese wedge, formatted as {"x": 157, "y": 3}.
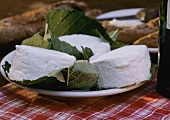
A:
{"x": 123, "y": 67}
{"x": 94, "y": 43}
{"x": 31, "y": 63}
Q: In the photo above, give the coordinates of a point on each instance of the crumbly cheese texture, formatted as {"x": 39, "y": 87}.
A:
{"x": 94, "y": 43}
{"x": 31, "y": 63}
{"x": 123, "y": 67}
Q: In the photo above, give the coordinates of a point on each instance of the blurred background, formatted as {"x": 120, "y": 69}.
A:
{"x": 13, "y": 7}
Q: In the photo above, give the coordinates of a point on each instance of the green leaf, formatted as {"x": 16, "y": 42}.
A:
{"x": 104, "y": 35}
{"x": 66, "y": 22}
{"x": 82, "y": 76}
{"x": 65, "y": 47}
{"x": 153, "y": 69}
{"x": 114, "y": 34}
{"x": 47, "y": 83}
{"x": 37, "y": 41}
{"x": 87, "y": 53}
{"x": 115, "y": 45}
{"x": 6, "y": 68}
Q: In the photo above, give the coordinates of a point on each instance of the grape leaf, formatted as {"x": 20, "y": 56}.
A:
{"x": 115, "y": 44}
{"x": 47, "y": 83}
{"x": 87, "y": 53}
{"x": 114, "y": 34}
{"x": 37, "y": 41}
{"x": 82, "y": 75}
{"x": 6, "y": 68}
{"x": 66, "y": 22}
{"x": 65, "y": 47}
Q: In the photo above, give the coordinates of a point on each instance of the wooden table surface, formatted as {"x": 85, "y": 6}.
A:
{"x": 13, "y": 7}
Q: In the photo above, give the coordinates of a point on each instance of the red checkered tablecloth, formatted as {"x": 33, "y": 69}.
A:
{"x": 143, "y": 103}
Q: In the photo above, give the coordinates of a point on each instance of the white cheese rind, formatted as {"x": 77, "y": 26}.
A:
{"x": 94, "y": 43}
{"x": 123, "y": 67}
{"x": 31, "y": 63}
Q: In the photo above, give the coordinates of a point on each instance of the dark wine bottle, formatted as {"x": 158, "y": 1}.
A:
{"x": 163, "y": 78}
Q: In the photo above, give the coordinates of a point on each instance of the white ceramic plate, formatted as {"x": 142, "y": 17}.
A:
{"x": 153, "y": 50}
{"x": 121, "y": 13}
{"x": 72, "y": 94}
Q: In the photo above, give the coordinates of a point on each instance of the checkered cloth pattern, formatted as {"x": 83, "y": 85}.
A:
{"x": 143, "y": 103}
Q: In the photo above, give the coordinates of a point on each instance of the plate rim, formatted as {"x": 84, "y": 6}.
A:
{"x": 153, "y": 50}
{"x": 72, "y": 94}
{"x": 108, "y": 14}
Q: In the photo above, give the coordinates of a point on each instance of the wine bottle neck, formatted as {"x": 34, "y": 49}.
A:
{"x": 168, "y": 15}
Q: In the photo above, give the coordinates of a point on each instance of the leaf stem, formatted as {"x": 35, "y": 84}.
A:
{"x": 68, "y": 72}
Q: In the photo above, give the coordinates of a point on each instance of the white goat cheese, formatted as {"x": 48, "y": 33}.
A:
{"x": 30, "y": 63}
{"x": 124, "y": 66}
{"x": 94, "y": 43}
